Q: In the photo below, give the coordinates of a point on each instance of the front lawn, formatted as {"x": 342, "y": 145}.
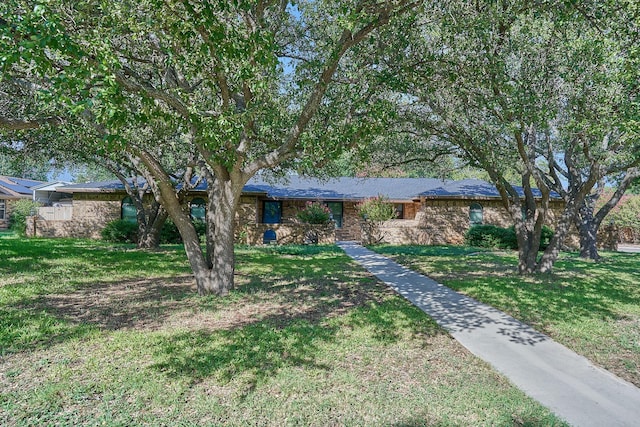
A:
{"x": 97, "y": 334}
{"x": 592, "y": 308}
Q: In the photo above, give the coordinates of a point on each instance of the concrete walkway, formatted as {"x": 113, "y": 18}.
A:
{"x": 565, "y": 382}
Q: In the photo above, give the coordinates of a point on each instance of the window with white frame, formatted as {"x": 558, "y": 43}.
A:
{"x": 3, "y": 208}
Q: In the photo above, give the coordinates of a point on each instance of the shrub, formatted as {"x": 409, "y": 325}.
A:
{"x": 120, "y": 231}
{"x": 494, "y": 237}
{"x": 491, "y": 236}
{"x": 20, "y": 210}
{"x": 376, "y": 209}
{"x": 170, "y": 234}
{"x": 627, "y": 212}
{"x": 374, "y": 212}
{"x": 545, "y": 239}
{"x": 314, "y": 213}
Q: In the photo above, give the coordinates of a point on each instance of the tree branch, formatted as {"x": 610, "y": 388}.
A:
{"x": 21, "y": 124}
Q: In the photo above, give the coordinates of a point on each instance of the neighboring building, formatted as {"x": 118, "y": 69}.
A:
{"x": 12, "y": 189}
{"x": 430, "y": 211}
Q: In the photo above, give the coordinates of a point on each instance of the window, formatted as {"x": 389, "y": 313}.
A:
{"x": 198, "y": 209}
{"x": 336, "y": 212}
{"x": 399, "y": 207}
{"x": 475, "y": 214}
{"x": 272, "y": 212}
{"x": 3, "y": 207}
{"x": 128, "y": 210}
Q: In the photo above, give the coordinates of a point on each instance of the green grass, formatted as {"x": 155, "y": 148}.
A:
{"x": 97, "y": 334}
{"x": 592, "y": 308}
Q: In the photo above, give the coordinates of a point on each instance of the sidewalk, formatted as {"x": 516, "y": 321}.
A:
{"x": 565, "y": 382}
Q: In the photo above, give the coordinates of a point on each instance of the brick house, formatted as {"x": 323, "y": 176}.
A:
{"x": 429, "y": 211}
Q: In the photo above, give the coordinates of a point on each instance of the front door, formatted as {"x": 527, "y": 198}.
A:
{"x": 336, "y": 209}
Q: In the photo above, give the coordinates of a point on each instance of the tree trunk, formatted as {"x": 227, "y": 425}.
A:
{"x": 528, "y": 245}
{"x": 588, "y": 222}
{"x": 550, "y": 254}
{"x": 149, "y": 231}
{"x": 224, "y": 197}
{"x": 528, "y": 227}
{"x": 588, "y": 232}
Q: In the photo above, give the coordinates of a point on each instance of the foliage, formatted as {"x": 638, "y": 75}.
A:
{"x": 627, "y": 212}
{"x": 491, "y": 236}
{"x": 120, "y": 231}
{"x": 494, "y": 237}
{"x": 314, "y": 213}
{"x": 374, "y": 212}
{"x": 16, "y": 163}
{"x": 376, "y": 209}
{"x": 20, "y": 210}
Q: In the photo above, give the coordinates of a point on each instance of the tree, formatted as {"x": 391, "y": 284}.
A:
{"x": 617, "y": 23}
{"x": 17, "y": 163}
{"x": 525, "y": 87}
{"x": 251, "y": 85}
{"x": 589, "y": 218}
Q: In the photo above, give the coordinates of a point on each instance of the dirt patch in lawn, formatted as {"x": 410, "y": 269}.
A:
{"x": 172, "y": 303}
{"x": 140, "y": 304}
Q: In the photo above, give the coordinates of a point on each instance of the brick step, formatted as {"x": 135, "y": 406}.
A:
{"x": 342, "y": 234}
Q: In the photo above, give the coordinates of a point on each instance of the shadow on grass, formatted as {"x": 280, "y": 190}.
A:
{"x": 516, "y": 421}
{"x": 26, "y": 256}
{"x": 576, "y": 289}
{"x": 252, "y": 352}
{"x": 278, "y": 314}
{"x": 48, "y": 319}
{"x": 255, "y": 351}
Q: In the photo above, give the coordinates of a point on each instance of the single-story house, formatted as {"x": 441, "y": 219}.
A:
{"x": 429, "y": 211}
{"x": 12, "y": 189}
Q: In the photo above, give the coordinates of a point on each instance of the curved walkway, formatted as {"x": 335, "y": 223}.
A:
{"x": 565, "y": 382}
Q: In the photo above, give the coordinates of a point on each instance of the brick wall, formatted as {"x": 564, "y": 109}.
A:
{"x": 288, "y": 233}
{"x": 442, "y": 222}
{"x": 430, "y": 222}
{"x": 91, "y": 213}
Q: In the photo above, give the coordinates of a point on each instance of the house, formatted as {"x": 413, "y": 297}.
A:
{"x": 429, "y": 211}
{"x": 11, "y": 190}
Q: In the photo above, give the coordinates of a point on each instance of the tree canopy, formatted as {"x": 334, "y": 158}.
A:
{"x": 236, "y": 87}
{"x": 534, "y": 88}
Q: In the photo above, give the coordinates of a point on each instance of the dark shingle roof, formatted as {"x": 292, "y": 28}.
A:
{"x": 296, "y": 187}
{"x": 473, "y": 188}
{"x": 19, "y": 185}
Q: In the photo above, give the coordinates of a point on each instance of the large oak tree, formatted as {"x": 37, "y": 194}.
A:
{"x": 532, "y": 88}
{"x": 251, "y": 86}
